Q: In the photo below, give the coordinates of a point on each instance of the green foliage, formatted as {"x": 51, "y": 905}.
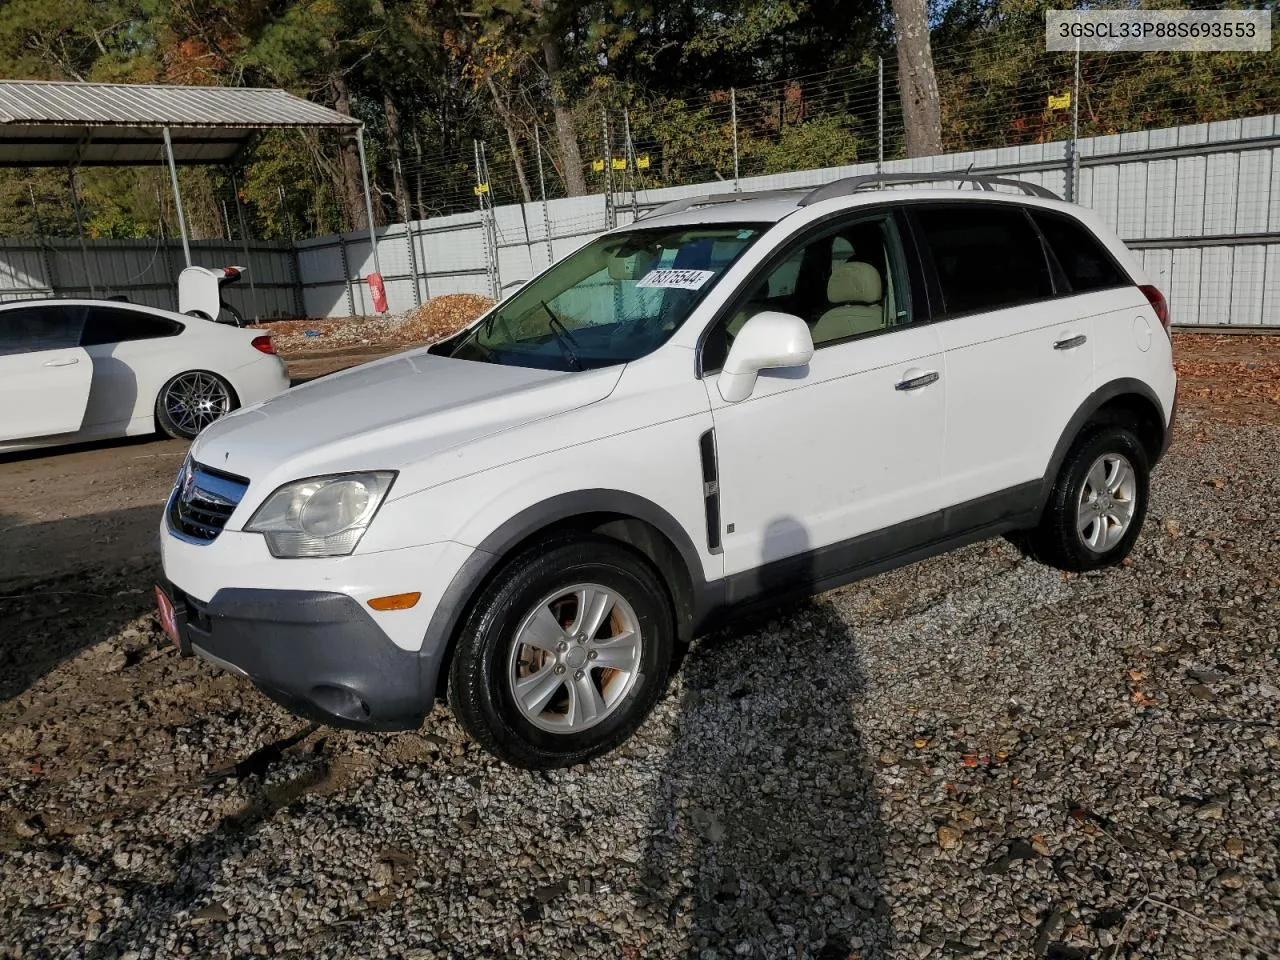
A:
{"x": 445, "y": 74}
{"x": 821, "y": 142}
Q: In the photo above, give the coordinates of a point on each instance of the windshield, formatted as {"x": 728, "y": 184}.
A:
{"x": 615, "y": 300}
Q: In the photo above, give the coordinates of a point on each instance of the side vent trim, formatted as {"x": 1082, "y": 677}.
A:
{"x": 710, "y": 488}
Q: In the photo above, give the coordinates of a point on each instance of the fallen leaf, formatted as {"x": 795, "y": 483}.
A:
{"x": 921, "y": 743}
{"x": 1136, "y": 676}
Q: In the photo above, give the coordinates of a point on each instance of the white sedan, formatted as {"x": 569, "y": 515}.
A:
{"x": 75, "y": 370}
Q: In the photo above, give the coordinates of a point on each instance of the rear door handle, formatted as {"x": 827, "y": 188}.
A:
{"x": 69, "y": 361}
{"x": 1071, "y": 342}
{"x": 915, "y": 383}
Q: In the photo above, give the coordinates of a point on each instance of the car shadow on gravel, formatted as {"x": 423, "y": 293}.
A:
{"x": 765, "y": 836}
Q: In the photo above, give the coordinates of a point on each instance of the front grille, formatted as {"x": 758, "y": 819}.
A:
{"x": 202, "y": 501}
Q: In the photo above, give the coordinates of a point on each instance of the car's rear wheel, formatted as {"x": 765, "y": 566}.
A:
{"x": 565, "y": 653}
{"x": 191, "y": 401}
{"x": 1098, "y": 503}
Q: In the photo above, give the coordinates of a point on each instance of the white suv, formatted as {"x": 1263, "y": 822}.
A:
{"x": 734, "y": 400}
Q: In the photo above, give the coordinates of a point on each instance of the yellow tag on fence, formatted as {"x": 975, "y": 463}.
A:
{"x": 597, "y": 166}
{"x": 480, "y": 188}
{"x": 619, "y": 164}
{"x": 643, "y": 162}
{"x": 1060, "y": 102}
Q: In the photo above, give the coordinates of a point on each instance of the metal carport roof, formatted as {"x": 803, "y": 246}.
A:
{"x": 51, "y": 123}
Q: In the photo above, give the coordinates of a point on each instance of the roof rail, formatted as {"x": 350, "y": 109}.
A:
{"x": 848, "y": 185}
{"x": 676, "y": 206}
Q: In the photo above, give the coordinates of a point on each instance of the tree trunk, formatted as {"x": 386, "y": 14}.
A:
{"x": 575, "y": 183}
{"x": 917, "y": 84}
{"x": 399, "y": 185}
{"x": 512, "y": 143}
{"x": 352, "y": 184}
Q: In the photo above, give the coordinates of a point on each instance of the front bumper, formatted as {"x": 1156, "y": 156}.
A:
{"x": 318, "y": 654}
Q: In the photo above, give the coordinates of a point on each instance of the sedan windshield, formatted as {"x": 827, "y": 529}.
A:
{"x": 615, "y": 300}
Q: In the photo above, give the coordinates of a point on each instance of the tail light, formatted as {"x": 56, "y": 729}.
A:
{"x": 1159, "y": 305}
{"x": 264, "y": 343}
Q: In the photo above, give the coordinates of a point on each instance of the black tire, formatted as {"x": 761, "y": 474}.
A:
{"x": 1057, "y": 541}
{"x": 168, "y": 417}
{"x": 480, "y": 684}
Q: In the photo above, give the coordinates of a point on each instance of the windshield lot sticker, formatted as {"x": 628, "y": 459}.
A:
{"x": 676, "y": 279}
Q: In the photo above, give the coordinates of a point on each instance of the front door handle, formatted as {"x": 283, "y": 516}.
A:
{"x": 69, "y": 361}
{"x": 915, "y": 383}
{"x": 1071, "y": 342}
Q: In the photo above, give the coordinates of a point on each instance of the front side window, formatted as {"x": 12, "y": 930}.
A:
{"x": 847, "y": 281}
{"x": 986, "y": 256}
{"x": 118, "y": 325}
{"x": 615, "y": 300}
{"x": 1084, "y": 260}
{"x": 30, "y": 329}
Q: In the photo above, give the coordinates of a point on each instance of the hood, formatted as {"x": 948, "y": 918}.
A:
{"x": 389, "y": 414}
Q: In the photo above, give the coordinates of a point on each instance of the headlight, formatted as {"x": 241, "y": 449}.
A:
{"x": 321, "y": 516}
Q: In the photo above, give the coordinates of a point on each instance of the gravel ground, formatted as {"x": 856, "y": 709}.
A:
{"x": 975, "y": 756}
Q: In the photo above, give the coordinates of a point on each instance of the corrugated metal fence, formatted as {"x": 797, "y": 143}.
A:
{"x": 146, "y": 271}
{"x": 1200, "y": 204}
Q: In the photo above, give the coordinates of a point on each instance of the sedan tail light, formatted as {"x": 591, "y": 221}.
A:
{"x": 1159, "y": 305}
{"x": 264, "y": 343}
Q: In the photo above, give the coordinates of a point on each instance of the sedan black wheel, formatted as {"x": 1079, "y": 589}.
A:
{"x": 191, "y": 401}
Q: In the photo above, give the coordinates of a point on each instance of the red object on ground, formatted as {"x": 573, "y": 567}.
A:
{"x": 378, "y": 292}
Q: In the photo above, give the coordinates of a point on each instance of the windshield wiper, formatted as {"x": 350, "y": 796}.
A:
{"x": 563, "y": 337}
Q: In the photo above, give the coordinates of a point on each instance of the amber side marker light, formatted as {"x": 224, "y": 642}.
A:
{"x": 397, "y": 601}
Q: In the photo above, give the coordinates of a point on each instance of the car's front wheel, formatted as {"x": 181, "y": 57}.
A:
{"x": 191, "y": 401}
{"x": 565, "y": 653}
{"x": 1098, "y": 502}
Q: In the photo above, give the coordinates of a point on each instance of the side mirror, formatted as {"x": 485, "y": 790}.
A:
{"x": 768, "y": 340}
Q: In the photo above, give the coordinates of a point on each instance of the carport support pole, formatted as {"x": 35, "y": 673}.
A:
{"x": 84, "y": 254}
{"x": 368, "y": 200}
{"x": 177, "y": 195}
{"x": 244, "y": 246}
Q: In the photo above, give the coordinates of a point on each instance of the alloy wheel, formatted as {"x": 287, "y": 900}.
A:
{"x": 576, "y": 656}
{"x": 195, "y": 400}
{"x": 1108, "y": 501}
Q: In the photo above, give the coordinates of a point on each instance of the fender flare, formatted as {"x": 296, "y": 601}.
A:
{"x": 1092, "y": 404}
{"x": 495, "y": 547}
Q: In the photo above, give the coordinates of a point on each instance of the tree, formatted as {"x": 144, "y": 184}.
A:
{"x": 917, "y": 84}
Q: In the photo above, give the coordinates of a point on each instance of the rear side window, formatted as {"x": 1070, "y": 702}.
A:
{"x": 118, "y": 325}
{"x": 51, "y": 327}
{"x": 1085, "y": 262}
{"x": 986, "y": 257}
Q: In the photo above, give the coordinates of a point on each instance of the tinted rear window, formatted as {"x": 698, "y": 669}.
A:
{"x": 986, "y": 257}
{"x": 1085, "y": 261}
{"x": 118, "y": 325}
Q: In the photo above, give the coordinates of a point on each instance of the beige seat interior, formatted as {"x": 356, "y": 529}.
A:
{"x": 857, "y": 294}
